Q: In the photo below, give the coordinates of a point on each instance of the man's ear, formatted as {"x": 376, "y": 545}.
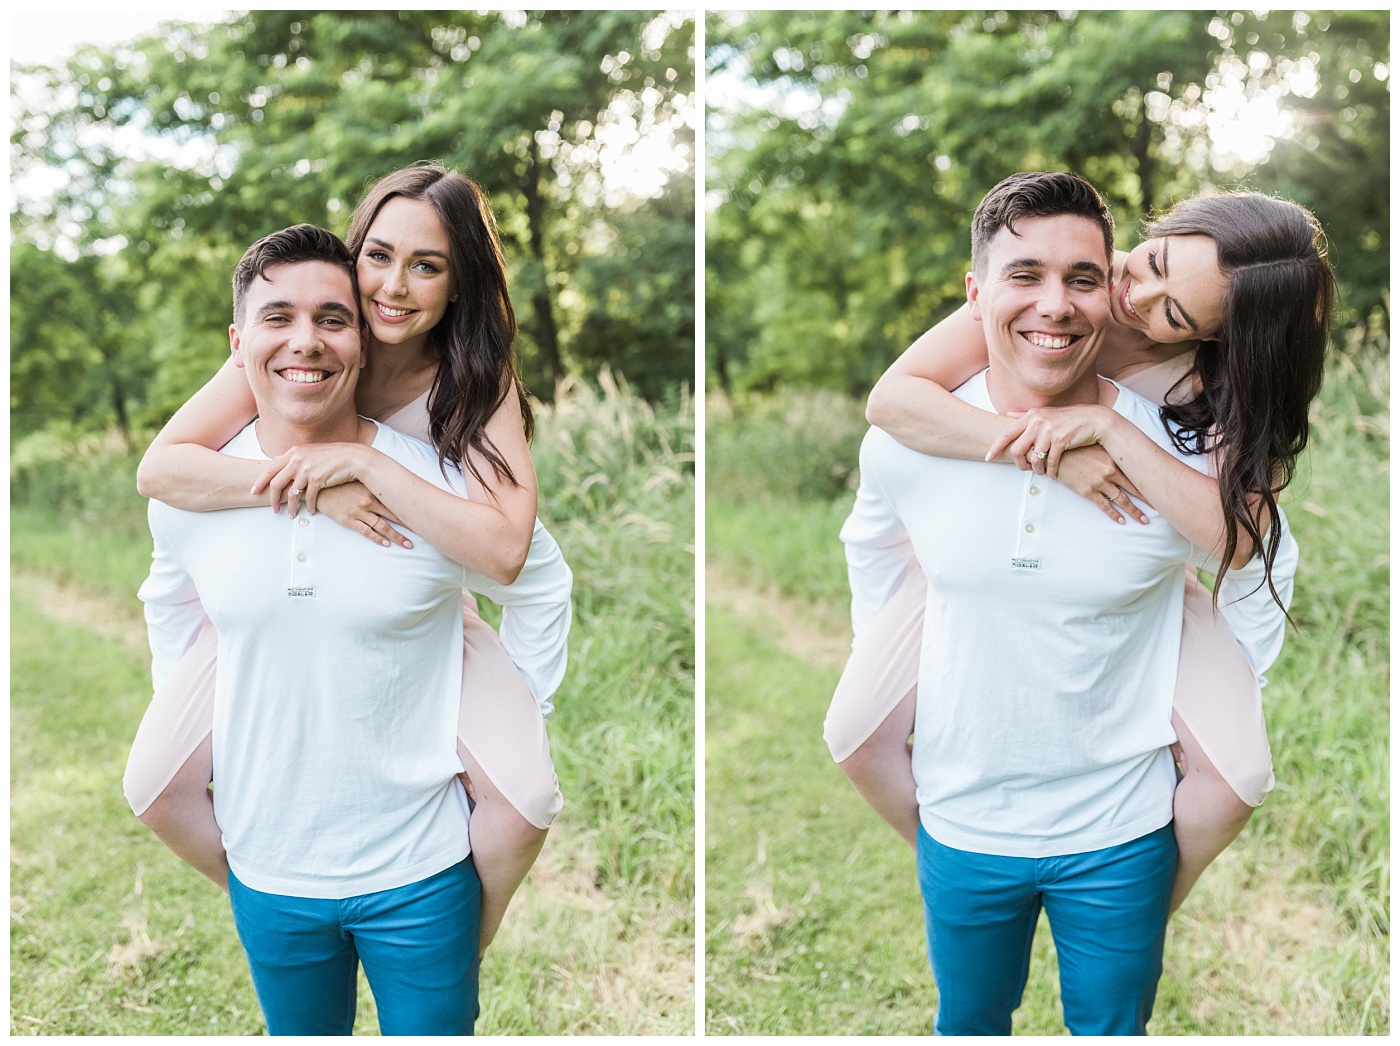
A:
{"x": 972, "y": 296}
{"x": 233, "y": 345}
{"x": 364, "y": 343}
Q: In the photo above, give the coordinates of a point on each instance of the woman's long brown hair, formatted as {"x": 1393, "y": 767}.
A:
{"x": 1260, "y": 373}
{"x": 475, "y": 339}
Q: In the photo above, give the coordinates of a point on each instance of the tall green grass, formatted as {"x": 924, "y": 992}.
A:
{"x": 111, "y": 935}
{"x": 780, "y": 472}
{"x": 812, "y": 918}
{"x": 75, "y": 513}
{"x": 1327, "y": 705}
{"x": 617, "y": 482}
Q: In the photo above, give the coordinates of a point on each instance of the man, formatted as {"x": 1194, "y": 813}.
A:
{"x": 1049, "y": 651}
{"x": 338, "y": 687}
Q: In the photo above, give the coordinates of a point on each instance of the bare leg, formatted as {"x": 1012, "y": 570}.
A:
{"x": 182, "y": 817}
{"x": 1208, "y": 814}
{"x": 882, "y": 771}
{"x": 504, "y": 846}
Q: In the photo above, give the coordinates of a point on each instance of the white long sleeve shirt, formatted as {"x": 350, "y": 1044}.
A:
{"x": 1050, "y": 645}
{"x": 1248, "y": 607}
{"x": 537, "y": 611}
{"x": 339, "y": 682}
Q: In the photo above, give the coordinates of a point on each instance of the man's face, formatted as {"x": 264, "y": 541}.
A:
{"x": 1044, "y": 306}
{"x": 300, "y": 343}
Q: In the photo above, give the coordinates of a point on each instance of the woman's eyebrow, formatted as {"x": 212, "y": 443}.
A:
{"x": 416, "y": 254}
{"x": 1166, "y": 240}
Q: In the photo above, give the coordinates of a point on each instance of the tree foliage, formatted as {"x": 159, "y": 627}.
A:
{"x": 177, "y": 150}
{"x": 847, "y": 173}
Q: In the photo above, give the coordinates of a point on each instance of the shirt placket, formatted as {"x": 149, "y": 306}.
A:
{"x": 1030, "y": 526}
{"x": 303, "y": 579}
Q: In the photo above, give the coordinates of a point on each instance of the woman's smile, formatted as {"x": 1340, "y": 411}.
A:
{"x": 392, "y": 314}
{"x": 1127, "y": 302}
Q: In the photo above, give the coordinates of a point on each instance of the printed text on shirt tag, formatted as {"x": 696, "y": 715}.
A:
{"x": 301, "y": 591}
{"x": 1025, "y": 562}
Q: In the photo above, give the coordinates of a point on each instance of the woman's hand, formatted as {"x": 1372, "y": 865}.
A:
{"x": 302, "y": 473}
{"x": 1092, "y": 473}
{"x": 1039, "y": 438}
{"x": 355, "y": 508}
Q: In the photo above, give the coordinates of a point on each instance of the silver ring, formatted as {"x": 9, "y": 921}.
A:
{"x": 1039, "y": 454}
{"x": 1115, "y": 496}
{"x": 298, "y": 490}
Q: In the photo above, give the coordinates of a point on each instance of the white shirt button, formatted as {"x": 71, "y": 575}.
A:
{"x": 1030, "y": 529}
{"x": 1034, "y": 490}
{"x": 301, "y": 558}
{"x": 303, "y": 522}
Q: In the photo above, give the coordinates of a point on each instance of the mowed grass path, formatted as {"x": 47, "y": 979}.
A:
{"x": 108, "y": 933}
{"x": 813, "y": 919}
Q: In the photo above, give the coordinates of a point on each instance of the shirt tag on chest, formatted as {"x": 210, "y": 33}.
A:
{"x": 301, "y": 591}
{"x": 1025, "y": 562}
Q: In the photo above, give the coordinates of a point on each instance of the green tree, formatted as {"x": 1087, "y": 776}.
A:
{"x": 276, "y": 117}
{"x": 69, "y": 365}
{"x": 1338, "y": 163}
{"x": 848, "y": 173}
{"x": 636, "y": 299}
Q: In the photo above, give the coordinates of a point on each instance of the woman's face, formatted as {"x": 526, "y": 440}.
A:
{"x": 404, "y": 271}
{"x": 1171, "y": 288}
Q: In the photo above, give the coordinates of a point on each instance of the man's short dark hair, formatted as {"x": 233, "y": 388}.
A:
{"x": 300, "y": 243}
{"x": 1036, "y": 194}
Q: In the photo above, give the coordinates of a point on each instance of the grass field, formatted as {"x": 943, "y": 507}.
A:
{"x": 813, "y": 919}
{"x": 110, "y": 934}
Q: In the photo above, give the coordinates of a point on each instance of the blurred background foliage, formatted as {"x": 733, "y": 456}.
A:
{"x": 848, "y": 150}
{"x": 141, "y": 171}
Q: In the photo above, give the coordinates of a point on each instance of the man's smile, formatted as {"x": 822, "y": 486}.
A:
{"x": 1050, "y": 339}
{"x": 303, "y": 376}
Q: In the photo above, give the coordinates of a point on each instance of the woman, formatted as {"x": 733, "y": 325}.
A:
{"x": 1221, "y": 316}
{"x": 440, "y": 367}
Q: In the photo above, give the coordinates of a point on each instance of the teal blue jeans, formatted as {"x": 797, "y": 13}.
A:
{"x": 418, "y": 944}
{"x": 1108, "y": 914}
